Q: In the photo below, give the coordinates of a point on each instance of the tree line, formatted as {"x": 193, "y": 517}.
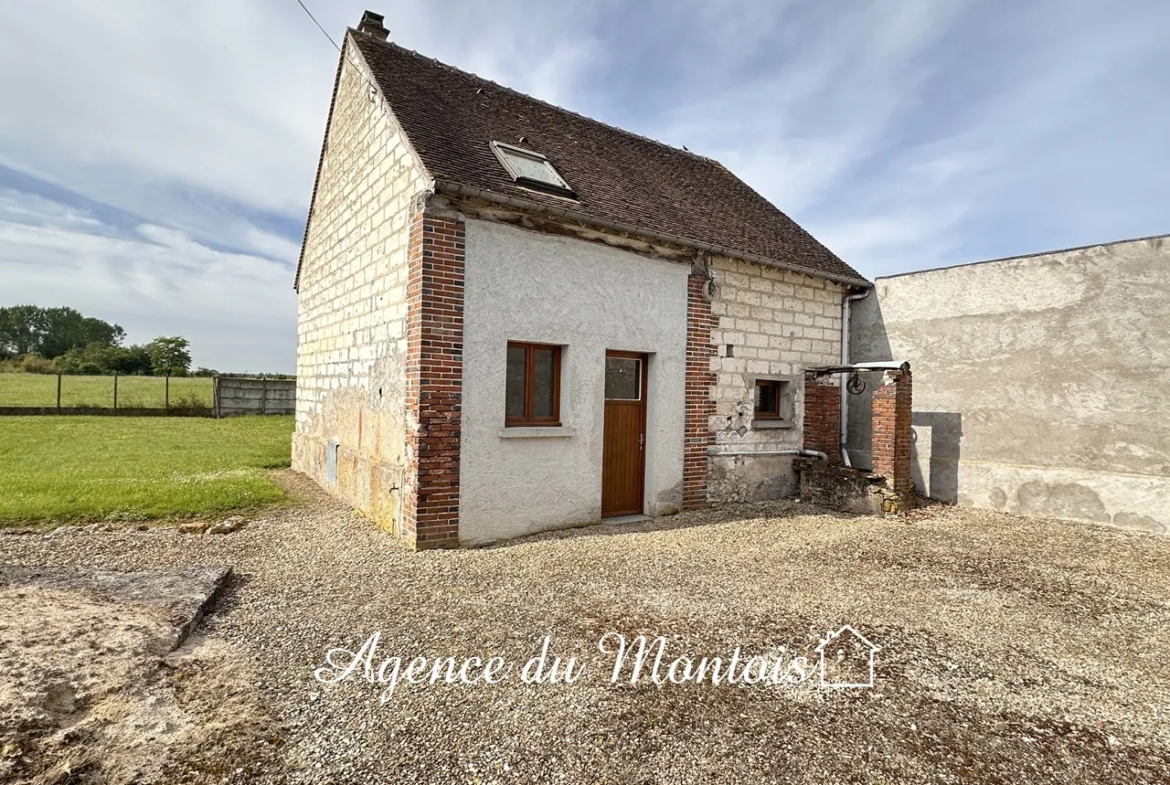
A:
{"x": 62, "y": 340}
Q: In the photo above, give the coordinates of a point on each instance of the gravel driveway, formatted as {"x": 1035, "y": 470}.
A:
{"x": 1012, "y": 649}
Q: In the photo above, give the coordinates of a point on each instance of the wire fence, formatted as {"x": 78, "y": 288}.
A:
{"x": 219, "y": 396}
{"x": 25, "y": 393}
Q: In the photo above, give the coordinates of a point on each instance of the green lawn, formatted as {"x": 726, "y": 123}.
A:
{"x": 134, "y": 468}
{"x": 34, "y": 389}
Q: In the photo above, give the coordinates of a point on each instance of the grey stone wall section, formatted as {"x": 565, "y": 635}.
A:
{"x": 235, "y": 396}
{"x": 1040, "y": 382}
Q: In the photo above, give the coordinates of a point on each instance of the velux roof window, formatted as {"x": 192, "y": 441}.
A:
{"x": 531, "y": 169}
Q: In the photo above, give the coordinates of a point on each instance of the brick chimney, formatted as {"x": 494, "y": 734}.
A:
{"x": 372, "y": 23}
{"x": 892, "y": 431}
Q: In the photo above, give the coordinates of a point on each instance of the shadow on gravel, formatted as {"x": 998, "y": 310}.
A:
{"x": 732, "y": 513}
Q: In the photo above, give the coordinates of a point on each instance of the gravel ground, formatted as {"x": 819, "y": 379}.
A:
{"x": 1012, "y": 649}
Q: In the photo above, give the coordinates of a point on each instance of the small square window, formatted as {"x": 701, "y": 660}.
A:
{"x": 623, "y": 379}
{"x": 773, "y": 400}
{"x": 532, "y": 396}
{"x": 531, "y": 169}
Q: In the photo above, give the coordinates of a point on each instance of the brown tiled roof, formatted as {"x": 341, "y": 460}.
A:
{"x": 451, "y": 116}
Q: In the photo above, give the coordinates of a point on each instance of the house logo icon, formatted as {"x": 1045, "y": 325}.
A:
{"x": 846, "y": 659}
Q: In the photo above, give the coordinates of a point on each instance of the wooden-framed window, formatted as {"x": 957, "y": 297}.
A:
{"x": 533, "y": 394}
{"x": 769, "y": 399}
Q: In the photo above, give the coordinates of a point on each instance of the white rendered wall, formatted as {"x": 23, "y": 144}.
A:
{"x": 525, "y": 286}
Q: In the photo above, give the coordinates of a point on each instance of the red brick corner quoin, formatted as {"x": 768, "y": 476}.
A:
{"x": 700, "y": 408}
{"x": 434, "y": 380}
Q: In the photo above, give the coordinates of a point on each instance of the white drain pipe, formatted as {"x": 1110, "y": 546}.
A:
{"x": 846, "y": 301}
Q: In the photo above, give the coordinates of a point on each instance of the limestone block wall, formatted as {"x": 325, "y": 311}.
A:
{"x": 773, "y": 324}
{"x": 351, "y": 342}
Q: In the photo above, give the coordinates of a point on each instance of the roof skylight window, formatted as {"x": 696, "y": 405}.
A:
{"x": 531, "y": 169}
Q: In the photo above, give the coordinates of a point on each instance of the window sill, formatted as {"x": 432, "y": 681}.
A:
{"x": 769, "y": 425}
{"x": 537, "y": 432}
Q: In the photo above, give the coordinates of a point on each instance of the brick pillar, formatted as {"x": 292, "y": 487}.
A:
{"x": 822, "y": 416}
{"x": 434, "y": 380}
{"x": 699, "y": 383}
{"x": 892, "y": 407}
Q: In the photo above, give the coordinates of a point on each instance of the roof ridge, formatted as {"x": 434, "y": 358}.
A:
{"x": 514, "y": 91}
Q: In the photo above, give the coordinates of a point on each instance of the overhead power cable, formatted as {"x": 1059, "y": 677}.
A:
{"x": 324, "y": 32}
{"x": 374, "y": 89}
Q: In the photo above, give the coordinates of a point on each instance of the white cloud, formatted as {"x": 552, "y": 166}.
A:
{"x": 903, "y": 133}
{"x": 915, "y": 134}
{"x": 124, "y": 101}
{"x": 797, "y": 130}
{"x": 197, "y": 117}
{"x": 145, "y": 105}
{"x": 32, "y": 210}
{"x": 238, "y": 310}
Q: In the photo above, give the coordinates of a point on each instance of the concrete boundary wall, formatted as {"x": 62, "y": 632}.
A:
{"x": 236, "y": 396}
{"x": 1039, "y": 382}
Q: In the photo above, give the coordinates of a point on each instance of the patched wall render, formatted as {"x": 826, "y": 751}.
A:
{"x": 351, "y": 335}
{"x": 1039, "y": 382}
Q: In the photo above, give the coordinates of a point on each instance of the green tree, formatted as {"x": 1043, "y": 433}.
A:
{"x": 21, "y": 327}
{"x": 99, "y": 359}
{"x": 51, "y": 332}
{"x": 90, "y": 360}
{"x": 169, "y": 355}
{"x": 131, "y": 360}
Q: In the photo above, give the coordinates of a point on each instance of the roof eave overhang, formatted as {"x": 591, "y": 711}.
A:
{"x": 450, "y": 188}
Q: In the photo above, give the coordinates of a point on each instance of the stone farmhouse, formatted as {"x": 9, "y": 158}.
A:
{"x": 513, "y": 318}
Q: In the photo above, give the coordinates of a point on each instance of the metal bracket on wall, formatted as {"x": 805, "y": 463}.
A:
{"x": 859, "y": 367}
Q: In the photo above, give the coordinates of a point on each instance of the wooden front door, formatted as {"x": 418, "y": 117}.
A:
{"x": 623, "y": 463}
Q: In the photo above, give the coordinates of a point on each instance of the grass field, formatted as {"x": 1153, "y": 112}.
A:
{"x": 34, "y": 389}
{"x": 134, "y": 468}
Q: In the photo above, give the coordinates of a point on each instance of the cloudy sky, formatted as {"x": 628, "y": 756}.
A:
{"x": 156, "y": 159}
